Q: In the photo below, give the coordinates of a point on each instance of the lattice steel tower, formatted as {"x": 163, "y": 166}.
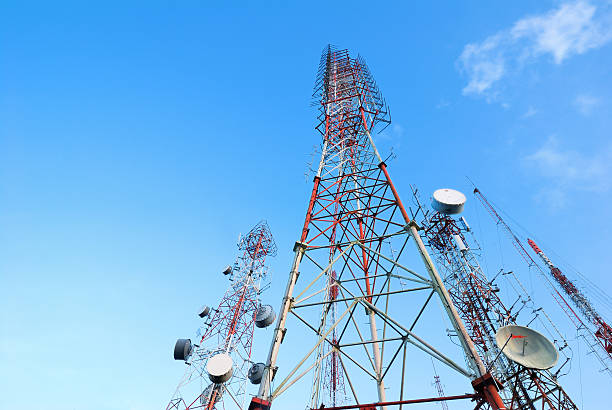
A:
{"x": 483, "y": 312}
{"x": 357, "y": 238}
{"x": 219, "y": 364}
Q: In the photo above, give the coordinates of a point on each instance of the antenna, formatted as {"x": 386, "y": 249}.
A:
{"x": 481, "y": 307}
{"x": 526, "y": 347}
{"x": 448, "y": 201}
{"x": 355, "y": 324}
{"x": 601, "y": 345}
{"x": 222, "y": 354}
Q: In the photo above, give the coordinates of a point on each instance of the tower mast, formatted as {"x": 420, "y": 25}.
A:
{"x": 218, "y": 363}
{"x": 598, "y": 344}
{"x": 604, "y": 331}
{"x": 354, "y": 210}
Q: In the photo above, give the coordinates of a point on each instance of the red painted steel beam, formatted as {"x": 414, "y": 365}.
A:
{"x": 397, "y": 403}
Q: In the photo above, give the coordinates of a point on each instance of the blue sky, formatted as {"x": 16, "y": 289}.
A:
{"x": 137, "y": 139}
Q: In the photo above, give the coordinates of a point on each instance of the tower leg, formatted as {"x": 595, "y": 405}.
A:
{"x": 279, "y": 332}
{"x": 377, "y": 360}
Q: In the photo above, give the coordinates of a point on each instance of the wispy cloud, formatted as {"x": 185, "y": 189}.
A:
{"x": 443, "y": 103}
{"x": 564, "y": 171}
{"x": 398, "y": 130}
{"x": 586, "y": 103}
{"x": 484, "y": 64}
{"x": 572, "y": 28}
{"x": 530, "y": 112}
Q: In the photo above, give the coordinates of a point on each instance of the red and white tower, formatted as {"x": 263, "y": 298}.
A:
{"x": 477, "y": 300}
{"x": 219, "y": 361}
{"x": 594, "y": 330}
{"x": 603, "y": 331}
{"x": 357, "y": 237}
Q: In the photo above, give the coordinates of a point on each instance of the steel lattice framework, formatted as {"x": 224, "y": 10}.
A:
{"x": 598, "y": 341}
{"x": 228, "y": 329}
{"x": 483, "y": 312}
{"x": 604, "y": 330}
{"x": 357, "y": 227}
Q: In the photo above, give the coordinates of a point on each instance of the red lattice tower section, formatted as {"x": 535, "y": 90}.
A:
{"x": 600, "y": 340}
{"x": 473, "y": 295}
{"x": 229, "y": 329}
{"x": 604, "y": 330}
{"x": 357, "y": 227}
{"x": 333, "y": 382}
{"x": 483, "y": 313}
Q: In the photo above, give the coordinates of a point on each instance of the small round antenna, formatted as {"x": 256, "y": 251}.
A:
{"x": 265, "y": 316}
{"x": 182, "y": 349}
{"x": 448, "y": 201}
{"x": 220, "y": 368}
{"x": 526, "y": 347}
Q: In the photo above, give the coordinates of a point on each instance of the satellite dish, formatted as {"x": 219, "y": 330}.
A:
{"x": 204, "y": 311}
{"x": 448, "y": 201}
{"x": 220, "y": 368}
{"x": 182, "y": 349}
{"x": 264, "y": 316}
{"x": 526, "y": 347}
{"x": 256, "y": 372}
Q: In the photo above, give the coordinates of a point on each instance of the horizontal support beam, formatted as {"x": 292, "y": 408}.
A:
{"x": 397, "y": 403}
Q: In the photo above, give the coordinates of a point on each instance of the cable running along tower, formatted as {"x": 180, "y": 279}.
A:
{"x": 357, "y": 238}
{"x": 219, "y": 362}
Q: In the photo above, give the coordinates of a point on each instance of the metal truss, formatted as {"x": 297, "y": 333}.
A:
{"x": 228, "y": 329}
{"x": 483, "y": 312}
{"x": 599, "y": 338}
{"x": 356, "y": 244}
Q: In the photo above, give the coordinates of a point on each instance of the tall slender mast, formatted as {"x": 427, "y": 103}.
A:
{"x": 227, "y": 333}
{"x": 604, "y": 331}
{"x": 598, "y": 343}
{"x": 354, "y": 217}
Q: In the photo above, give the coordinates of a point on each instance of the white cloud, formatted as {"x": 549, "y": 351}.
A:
{"x": 398, "y": 130}
{"x": 572, "y": 28}
{"x": 530, "y": 112}
{"x": 443, "y": 103}
{"x": 585, "y": 103}
{"x": 567, "y": 170}
{"x": 484, "y": 63}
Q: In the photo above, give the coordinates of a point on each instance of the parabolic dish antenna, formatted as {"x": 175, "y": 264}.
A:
{"x": 448, "y": 201}
{"x": 526, "y": 347}
{"x": 220, "y": 368}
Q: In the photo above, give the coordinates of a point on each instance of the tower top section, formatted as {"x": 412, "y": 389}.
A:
{"x": 346, "y": 89}
{"x": 258, "y": 243}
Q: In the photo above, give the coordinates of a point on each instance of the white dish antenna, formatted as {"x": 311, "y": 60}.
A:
{"x": 448, "y": 201}
{"x": 220, "y": 368}
{"x": 526, "y": 347}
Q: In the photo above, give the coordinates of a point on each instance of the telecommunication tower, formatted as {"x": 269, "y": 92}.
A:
{"x": 219, "y": 362}
{"x": 482, "y": 310}
{"x": 353, "y": 221}
{"x": 439, "y": 387}
{"x": 604, "y": 330}
{"x": 598, "y": 341}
